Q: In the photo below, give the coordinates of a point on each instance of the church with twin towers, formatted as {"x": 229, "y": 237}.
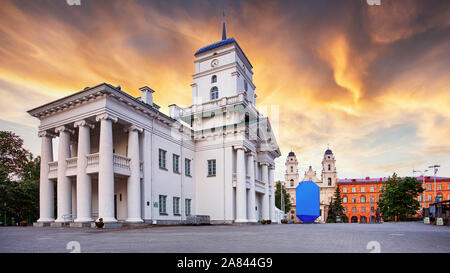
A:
{"x": 327, "y": 183}
{"x": 120, "y": 158}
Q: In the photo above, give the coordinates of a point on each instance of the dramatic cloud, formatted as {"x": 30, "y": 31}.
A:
{"x": 370, "y": 81}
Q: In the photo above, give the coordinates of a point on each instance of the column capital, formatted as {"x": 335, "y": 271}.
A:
{"x": 46, "y": 134}
{"x": 239, "y": 147}
{"x": 106, "y": 116}
{"x": 264, "y": 163}
{"x": 82, "y": 123}
{"x": 134, "y": 128}
{"x": 250, "y": 153}
{"x": 64, "y": 128}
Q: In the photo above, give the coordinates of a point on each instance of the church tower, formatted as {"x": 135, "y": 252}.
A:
{"x": 291, "y": 176}
{"x": 329, "y": 174}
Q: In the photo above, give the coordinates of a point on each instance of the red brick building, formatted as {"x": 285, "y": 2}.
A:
{"x": 360, "y": 196}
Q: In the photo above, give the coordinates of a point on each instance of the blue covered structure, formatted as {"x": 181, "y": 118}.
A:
{"x": 307, "y": 201}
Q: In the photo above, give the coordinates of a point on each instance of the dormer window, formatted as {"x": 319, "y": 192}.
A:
{"x": 214, "y": 79}
{"x": 214, "y": 93}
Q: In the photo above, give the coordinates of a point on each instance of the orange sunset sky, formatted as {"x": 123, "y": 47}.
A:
{"x": 373, "y": 82}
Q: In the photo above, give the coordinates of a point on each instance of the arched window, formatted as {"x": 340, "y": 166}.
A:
{"x": 292, "y": 182}
{"x": 363, "y": 199}
{"x": 214, "y": 79}
{"x": 344, "y": 199}
{"x": 329, "y": 181}
{"x": 214, "y": 93}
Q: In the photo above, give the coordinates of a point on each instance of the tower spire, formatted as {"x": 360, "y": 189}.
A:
{"x": 224, "y": 30}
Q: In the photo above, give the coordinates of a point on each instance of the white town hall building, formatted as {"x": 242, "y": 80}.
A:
{"x": 123, "y": 160}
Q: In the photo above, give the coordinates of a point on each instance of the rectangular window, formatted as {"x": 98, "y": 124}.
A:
{"x": 448, "y": 187}
{"x": 439, "y": 187}
{"x": 354, "y": 200}
{"x": 344, "y": 190}
{"x": 363, "y": 189}
{"x": 429, "y": 197}
{"x": 372, "y": 189}
{"x": 176, "y": 206}
{"x": 344, "y": 199}
{"x": 188, "y": 206}
{"x": 354, "y": 209}
{"x": 162, "y": 204}
{"x": 345, "y": 209}
{"x": 363, "y": 209}
{"x": 429, "y": 187}
{"x": 187, "y": 167}
{"x": 381, "y": 188}
{"x": 176, "y": 163}
{"x": 354, "y": 189}
{"x": 448, "y": 197}
{"x": 162, "y": 159}
{"x": 212, "y": 167}
{"x": 419, "y": 198}
{"x": 372, "y": 199}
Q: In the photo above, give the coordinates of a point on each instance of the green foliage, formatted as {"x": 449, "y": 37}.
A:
{"x": 336, "y": 209}
{"x": 287, "y": 197}
{"x": 19, "y": 180}
{"x": 398, "y": 198}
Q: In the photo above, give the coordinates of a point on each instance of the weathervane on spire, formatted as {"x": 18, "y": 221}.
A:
{"x": 224, "y": 30}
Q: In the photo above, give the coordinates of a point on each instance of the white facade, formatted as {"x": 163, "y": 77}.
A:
{"x": 121, "y": 159}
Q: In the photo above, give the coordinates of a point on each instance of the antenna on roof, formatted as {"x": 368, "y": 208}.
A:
{"x": 224, "y": 30}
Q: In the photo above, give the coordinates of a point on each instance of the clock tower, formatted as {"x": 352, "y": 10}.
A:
{"x": 222, "y": 70}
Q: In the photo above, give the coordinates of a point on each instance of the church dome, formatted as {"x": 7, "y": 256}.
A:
{"x": 328, "y": 152}
{"x": 291, "y": 154}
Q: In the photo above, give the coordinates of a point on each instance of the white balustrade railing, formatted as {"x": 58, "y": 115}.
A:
{"x": 71, "y": 162}
{"x": 53, "y": 166}
{"x": 213, "y": 104}
{"x": 121, "y": 161}
{"x": 92, "y": 160}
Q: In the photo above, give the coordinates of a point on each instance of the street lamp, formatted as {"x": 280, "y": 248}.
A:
{"x": 424, "y": 186}
{"x": 435, "y": 168}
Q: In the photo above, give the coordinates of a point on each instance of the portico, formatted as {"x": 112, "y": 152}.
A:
{"x": 99, "y": 162}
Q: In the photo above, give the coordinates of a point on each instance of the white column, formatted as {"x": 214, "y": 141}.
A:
{"x": 84, "y": 184}
{"x": 265, "y": 199}
{"x": 241, "y": 189}
{"x": 46, "y": 190}
{"x": 106, "y": 169}
{"x": 64, "y": 186}
{"x": 251, "y": 193}
{"x": 272, "y": 194}
{"x": 134, "y": 180}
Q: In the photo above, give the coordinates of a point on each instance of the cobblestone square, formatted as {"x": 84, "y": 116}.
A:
{"x": 329, "y": 238}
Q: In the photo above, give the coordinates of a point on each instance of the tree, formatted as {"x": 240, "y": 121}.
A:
{"x": 13, "y": 157}
{"x": 281, "y": 190}
{"x": 336, "y": 209}
{"x": 398, "y": 198}
{"x": 19, "y": 180}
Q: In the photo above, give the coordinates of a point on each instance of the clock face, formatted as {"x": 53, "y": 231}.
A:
{"x": 214, "y": 63}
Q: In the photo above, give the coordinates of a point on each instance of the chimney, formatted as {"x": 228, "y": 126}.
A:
{"x": 147, "y": 95}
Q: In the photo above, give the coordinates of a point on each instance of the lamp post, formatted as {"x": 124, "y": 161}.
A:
{"x": 435, "y": 168}
{"x": 424, "y": 186}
